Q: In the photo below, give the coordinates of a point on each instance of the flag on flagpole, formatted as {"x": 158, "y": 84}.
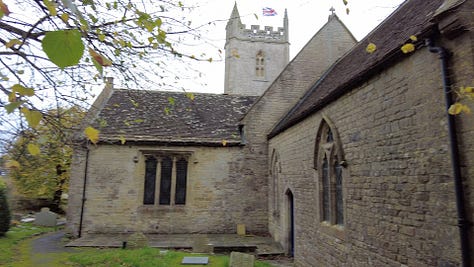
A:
{"x": 268, "y": 11}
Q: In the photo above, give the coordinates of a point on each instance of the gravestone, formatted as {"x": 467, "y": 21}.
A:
{"x": 238, "y": 259}
{"x": 195, "y": 261}
{"x": 46, "y": 218}
{"x": 137, "y": 240}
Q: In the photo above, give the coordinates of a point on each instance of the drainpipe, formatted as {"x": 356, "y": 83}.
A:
{"x": 84, "y": 192}
{"x": 463, "y": 224}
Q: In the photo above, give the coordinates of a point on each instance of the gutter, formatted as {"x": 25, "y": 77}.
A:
{"x": 83, "y": 193}
{"x": 463, "y": 223}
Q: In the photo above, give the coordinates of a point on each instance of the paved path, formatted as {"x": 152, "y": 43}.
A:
{"x": 46, "y": 248}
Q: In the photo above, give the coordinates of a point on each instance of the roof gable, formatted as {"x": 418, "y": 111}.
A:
{"x": 412, "y": 18}
{"x": 328, "y": 44}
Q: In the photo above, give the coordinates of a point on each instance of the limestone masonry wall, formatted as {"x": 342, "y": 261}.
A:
{"x": 216, "y": 201}
{"x": 398, "y": 187}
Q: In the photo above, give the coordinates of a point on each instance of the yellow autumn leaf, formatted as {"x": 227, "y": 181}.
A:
{"x": 92, "y": 134}
{"x": 408, "y": 48}
{"x": 235, "y": 53}
{"x": 101, "y": 37}
{"x": 12, "y": 97}
{"x": 122, "y": 140}
{"x": 348, "y": 11}
{"x": 12, "y": 43}
{"x": 12, "y": 164}
{"x": 371, "y": 47}
{"x": 190, "y": 96}
{"x": 413, "y": 38}
{"x": 33, "y": 149}
{"x": 467, "y": 90}
{"x": 224, "y": 142}
{"x": 33, "y": 117}
{"x": 51, "y": 6}
{"x": 345, "y": 2}
{"x": 455, "y": 108}
{"x": 65, "y": 17}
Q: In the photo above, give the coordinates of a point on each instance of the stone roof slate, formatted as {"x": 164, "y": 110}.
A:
{"x": 411, "y": 18}
{"x": 160, "y": 116}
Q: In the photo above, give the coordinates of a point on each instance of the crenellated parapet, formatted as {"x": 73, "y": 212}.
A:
{"x": 236, "y": 29}
{"x": 267, "y": 33}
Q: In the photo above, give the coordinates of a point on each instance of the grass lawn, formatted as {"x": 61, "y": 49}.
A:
{"x": 9, "y": 244}
{"x": 15, "y": 251}
{"x": 146, "y": 257}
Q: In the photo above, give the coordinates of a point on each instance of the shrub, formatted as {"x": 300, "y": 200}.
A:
{"x": 4, "y": 210}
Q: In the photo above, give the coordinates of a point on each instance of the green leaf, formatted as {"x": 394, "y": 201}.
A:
{"x": 12, "y": 106}
{"x": 64, "y": 47}
{"x": 33, "y": 117}
{"x": 21, "y": 90}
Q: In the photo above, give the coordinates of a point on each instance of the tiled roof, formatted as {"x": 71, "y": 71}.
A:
{"x": 412, "y": 18}
{"x": 158, "y": 116}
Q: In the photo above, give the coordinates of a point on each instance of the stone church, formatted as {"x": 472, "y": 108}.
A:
{"x": 343, "y": 156}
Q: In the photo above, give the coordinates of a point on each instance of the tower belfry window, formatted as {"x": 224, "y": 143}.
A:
{"x": 260, "y": 64}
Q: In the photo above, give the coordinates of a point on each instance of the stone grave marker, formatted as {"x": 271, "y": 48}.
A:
{"x": 137, "y": 240}
{"x": 195, "y": 261}
{"x": 46, "y": 218}
{"x": 238, "y": 259}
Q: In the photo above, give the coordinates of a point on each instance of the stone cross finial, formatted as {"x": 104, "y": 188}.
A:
{"x": 333, "y": 15}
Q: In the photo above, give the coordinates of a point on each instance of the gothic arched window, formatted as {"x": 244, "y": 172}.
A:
{"x": 260, "y": 64}
{"x": 329, "y": 161}
{"x": 275, "y": 170}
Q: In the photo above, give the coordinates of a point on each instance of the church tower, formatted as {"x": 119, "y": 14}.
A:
{"x": 253, "y": 57}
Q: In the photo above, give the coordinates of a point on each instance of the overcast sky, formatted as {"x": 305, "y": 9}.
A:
{"x": 306, "y": 17}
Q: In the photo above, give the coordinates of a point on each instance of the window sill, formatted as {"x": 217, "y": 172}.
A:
{"x": 152, "y": 208}
{"x": 333, "y": 230}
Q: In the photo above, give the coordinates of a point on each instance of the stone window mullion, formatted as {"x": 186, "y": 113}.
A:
{"x": 158, "y": 179}
{"x": 166, "y": 181}
{"x": 332, "y": 187}
{"x": 173, "y": 180}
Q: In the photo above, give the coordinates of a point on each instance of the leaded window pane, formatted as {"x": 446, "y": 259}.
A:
{"x": 150, "y": 181}
{"x": 339, "y": 197}
{"x": 330, "y": 137}
{"x": 165, "y": 185}
{"x": 181, "y": 176}
{"x": 325, "y": 180}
